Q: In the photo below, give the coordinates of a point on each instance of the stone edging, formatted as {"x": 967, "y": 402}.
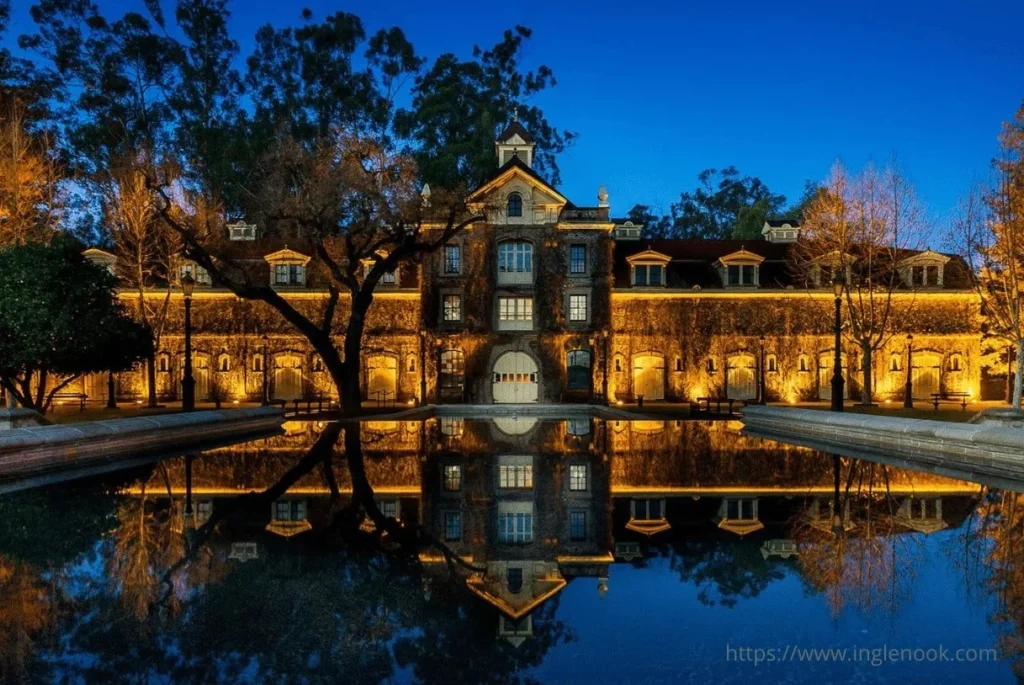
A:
{"x": 41, "y": 448}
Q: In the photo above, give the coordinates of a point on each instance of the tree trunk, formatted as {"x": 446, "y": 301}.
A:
{"x": 351, "y": 394}
{"x": 1009, "y": 374}
{"x": 1018, "y": 380}
{"x": 867, "y": 388}
{"x": 151, "y": 378}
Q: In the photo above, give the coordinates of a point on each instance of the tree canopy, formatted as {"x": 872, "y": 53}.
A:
{"x": 59, "y": 319}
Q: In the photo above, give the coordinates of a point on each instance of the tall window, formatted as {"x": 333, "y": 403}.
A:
{"x": 516, "y": 528}
{"x": 648, "y": 274}
{"x": 289, "y": 274}
{"x": 452, "y": 477}
{"x": 257, "y": 363}
{"x": 452, "y": 370}
{"x": 515, "y": 257}
{"x": 515, "y": 204}
{"x": 453, "y": 307}
{"x": 577, "y": 526}
{"x": 578, "y": 477}
{"x": 452, "y": 259}
{"x": 196, "y": 272}
{"x": 452, "y": 526}
{"x": 577, "y": 308}
{"x": 578, "y": 369}
{"x": 577, "y": 259}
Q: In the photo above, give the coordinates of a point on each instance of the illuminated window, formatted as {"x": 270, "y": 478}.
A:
{"x": 452, "y": 526}
{"x": 515, "y": 472}
{"x": 515, "y": 205}
{"x": 452, "y": 370}
{"x": 318, "y": 364}
{"x": 452, "y": 478}
{"x": 577, "y": 526}
{"x": 452, "y": 259}
{"x": 578, "y": 477}
{"x": 452, "y": 308}
{"x": 515, "y": 312}
{"x": 577, "y": 308}
{"x": 224, "y": 363}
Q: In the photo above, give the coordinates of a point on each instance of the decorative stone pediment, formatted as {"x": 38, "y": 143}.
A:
{"x": 287, "y": 256}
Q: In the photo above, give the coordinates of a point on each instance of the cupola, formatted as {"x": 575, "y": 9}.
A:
{"x": 515, "y": 141}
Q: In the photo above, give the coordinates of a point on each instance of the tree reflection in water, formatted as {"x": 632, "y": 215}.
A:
{"x": 110, "y": 580}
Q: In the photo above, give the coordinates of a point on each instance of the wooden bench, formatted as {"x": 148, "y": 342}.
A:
{"x": 79, "y": 397}
{"x": 707, "y": 401}
{"x": 951, "y": 397}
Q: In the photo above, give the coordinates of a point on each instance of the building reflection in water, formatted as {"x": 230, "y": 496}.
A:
{"x": 530, "y": 506}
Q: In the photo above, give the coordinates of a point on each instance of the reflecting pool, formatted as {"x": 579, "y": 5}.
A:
{"x": 456, "y": 550}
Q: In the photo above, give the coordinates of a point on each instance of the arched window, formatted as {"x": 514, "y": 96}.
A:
{"x": 163, "y": 362}
{"x": 411, "y": 365}
{"x": 804, "y": 365}
{"x": 771, "y": 364}
{"x": 578, "y": 365}
{"x": 515, "y": 580}
{"x": 515, "y": 205}
{"x": 223, "y": 363}
{"x": 318, "y": 364}
{"x": 257, "y": 363}
{"x": 618, "y": 364}
{"x": 710, "y": 365}
{"x": 956, "y": 362}
{"x": 895, "y": 362}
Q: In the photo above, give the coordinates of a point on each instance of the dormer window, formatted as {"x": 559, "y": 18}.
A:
{"x": 242, "y": 231}
{"x": 387, "y": 278}
{"x": 924, "y": 270}
{"x": 741, "y": 269}
{"x": 287, "y": 268}
{"x": 515, "y": 205}
{"x": 648, "y": 268}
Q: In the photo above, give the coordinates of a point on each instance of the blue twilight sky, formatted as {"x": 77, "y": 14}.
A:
{"x": 660, "y": 90}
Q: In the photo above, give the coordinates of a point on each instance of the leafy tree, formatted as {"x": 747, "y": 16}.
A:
{"x": 990, "y": 226}
{"x": 59, "y": 319}
{"x": 31, "y": 193}
{"x": 655, "y": 226}
{"x": 459, "y": 108}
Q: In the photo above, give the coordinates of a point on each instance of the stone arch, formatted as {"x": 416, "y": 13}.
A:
{"x": 649, "y": 375}
{"x": 515, "y": 378}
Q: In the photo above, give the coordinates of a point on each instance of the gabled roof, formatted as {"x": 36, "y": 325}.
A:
{"x": 516, "y": 606}
{"x": 781, "y": 223}
{"x": 648, "y": 255}
{"x": 515, "y": 129}
{"x": 286, "y": 254}
{"x": 515, "y": 167}
{"x": 926, "y": 256}
{"x": 742, "y": 254}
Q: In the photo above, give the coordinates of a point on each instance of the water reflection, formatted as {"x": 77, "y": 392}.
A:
{"x": 440, "y": 551}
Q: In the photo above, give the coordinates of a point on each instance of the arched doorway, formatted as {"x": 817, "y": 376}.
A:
{"x": 649, "y": 377}
{"x": 94, "y": 385}
{"x": 287, "y": 377}
{"x": 740, "y": 376}
{"x": 927, "y": 373}
{"x": 514, "y": 379}
{"x": 200, "y": 374}
{"x": 826, "y": 364}
{"x": 381, "y": 377}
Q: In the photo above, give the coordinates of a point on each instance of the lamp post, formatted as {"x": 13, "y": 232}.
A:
{"x": 111, "y": 401}
{"x": 837, "y": 365}
{"x": 188, "y": 383}
{"x": 760, "y": 371}
{"x": 264, "y": 399}
{"x": 908, "y": 391}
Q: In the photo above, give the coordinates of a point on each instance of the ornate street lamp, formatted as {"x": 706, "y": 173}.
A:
{"x": 760, "y": 371}
{"x": 188, "y": 383}
{"x": 837, "y": 366}
{"x": 908, "y": 391}
{"x": 266, "y": 350}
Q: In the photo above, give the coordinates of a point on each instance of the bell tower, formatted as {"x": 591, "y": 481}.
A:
{"x": 515, "y": 141}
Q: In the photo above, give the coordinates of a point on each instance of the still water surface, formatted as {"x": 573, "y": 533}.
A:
{"x": 550, "y": 551}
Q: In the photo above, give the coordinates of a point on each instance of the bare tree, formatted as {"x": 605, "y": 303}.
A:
{"x": 144, "y": 247}
{"x": 349, "y": 202}
{"x": 861, "y": 227}
{"x": 990, "y": 226}
{"x": 31, "y": 195}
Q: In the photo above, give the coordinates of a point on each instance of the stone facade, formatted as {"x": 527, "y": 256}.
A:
{"x": 546, "y": 301}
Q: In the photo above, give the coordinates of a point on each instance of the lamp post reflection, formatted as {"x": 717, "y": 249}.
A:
{"x": 188, "y": 383}
{"x": 908, "y": 391}
{"x": 837, "y": 366}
